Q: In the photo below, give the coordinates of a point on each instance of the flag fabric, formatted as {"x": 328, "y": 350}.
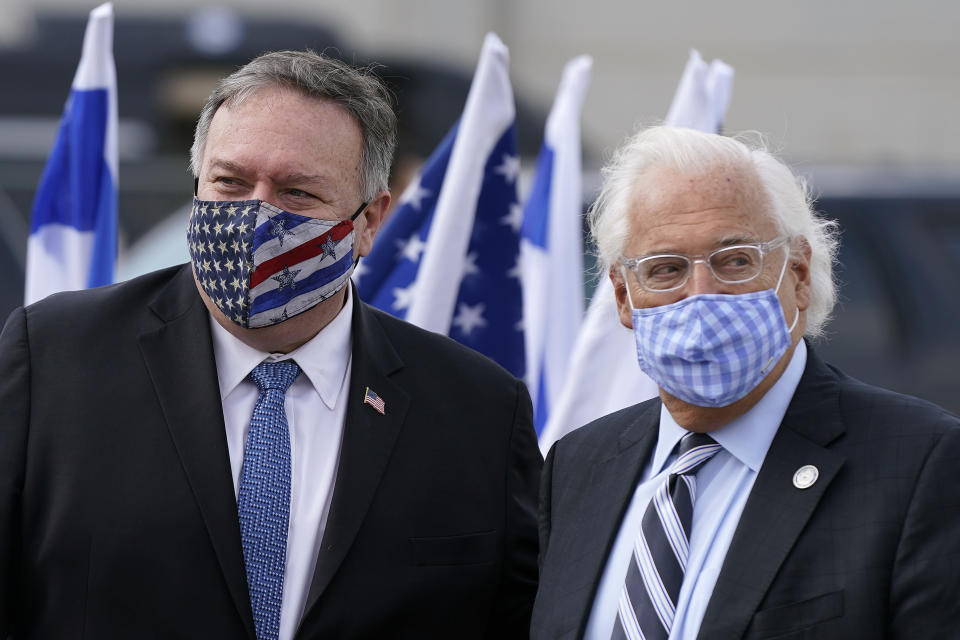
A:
{"x": 552, "y": 246}
{"x": 73, "y": 226}
{"x": 447, "y": 259}
{"x": 703, "y": 96}
{"x": 604, "y": 374}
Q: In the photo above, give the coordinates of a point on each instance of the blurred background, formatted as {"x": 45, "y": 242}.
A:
{"x": 860, "y": 97}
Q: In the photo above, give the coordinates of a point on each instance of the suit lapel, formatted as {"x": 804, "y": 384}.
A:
{"x": 179, "y": 357}
{"x": 776, "y": 511}
{"x": 600, "y": 502}
{"x": 368, "y": 440}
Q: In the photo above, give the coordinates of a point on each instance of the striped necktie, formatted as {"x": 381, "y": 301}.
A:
{"x": 648, "y": 598}
{"x": 263, "y": 499}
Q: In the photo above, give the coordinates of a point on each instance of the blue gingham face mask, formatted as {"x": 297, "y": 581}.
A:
{"x": 711, "y": 350}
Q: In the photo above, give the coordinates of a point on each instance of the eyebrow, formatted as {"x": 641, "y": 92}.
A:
{"x": 286, "y": 179}
{"x": 304, "y": 178}
{"x": 728, "y": 241}
{"x": 226, "y": 165}
{"x": 734, "y": 240}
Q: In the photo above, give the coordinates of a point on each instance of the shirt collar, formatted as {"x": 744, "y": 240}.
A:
{"x": 324, "y": 359}
{"x": 748, "y": 437}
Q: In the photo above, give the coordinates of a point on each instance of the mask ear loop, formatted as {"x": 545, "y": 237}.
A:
{"x": 356, "y": 214}
{"x": 783, "y": 270}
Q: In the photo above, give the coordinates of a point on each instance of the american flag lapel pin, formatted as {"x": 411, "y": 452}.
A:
{"x": 375, "y": 401}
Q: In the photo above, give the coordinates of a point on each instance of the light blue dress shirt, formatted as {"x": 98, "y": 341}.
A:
{"x": 723, "y": 485}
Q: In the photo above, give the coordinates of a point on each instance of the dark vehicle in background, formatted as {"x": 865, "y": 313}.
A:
{"x": 897, "y": 324}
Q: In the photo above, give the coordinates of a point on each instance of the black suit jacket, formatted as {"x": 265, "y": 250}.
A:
{"x": 871, "y": 550}
{"x": 117, "y": 510}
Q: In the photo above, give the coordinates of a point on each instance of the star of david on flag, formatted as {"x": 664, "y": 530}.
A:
{"x": 447, "y": 259}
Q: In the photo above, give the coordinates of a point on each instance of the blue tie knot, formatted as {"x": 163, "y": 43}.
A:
{"x": 274, "y": 375}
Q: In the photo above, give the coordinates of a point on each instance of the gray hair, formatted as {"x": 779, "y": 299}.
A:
{"x": 359, "y": 91}
{"x": 685, "y": 150}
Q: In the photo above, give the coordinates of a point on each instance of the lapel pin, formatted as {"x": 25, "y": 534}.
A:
{"x": 375, "y": 401}
{"x": 805, "y": 476}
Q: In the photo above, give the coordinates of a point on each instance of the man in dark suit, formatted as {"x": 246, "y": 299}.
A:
{"x": 156, "y": 483}
{"x": 764, "y": 494}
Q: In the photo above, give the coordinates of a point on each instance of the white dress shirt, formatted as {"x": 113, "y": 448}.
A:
{"x": 316, "y": 406}
{"x": 723, "y": 486}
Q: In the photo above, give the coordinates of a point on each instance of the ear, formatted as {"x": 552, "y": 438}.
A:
{"x": 799, "y": 270}
{"x": 624, "y": 310}
{"x": 373, "y": 216}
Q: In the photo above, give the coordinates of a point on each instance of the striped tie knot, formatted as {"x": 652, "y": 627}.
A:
{"x": 694, "y": 451}
{"x": 274, "y": 375}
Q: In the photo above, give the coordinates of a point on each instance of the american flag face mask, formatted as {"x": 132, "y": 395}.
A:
{"x": 261, "y": 265}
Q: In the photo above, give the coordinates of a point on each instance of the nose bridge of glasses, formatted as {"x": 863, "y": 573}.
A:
{"x": 704, "y": 260}
{"x": 703, "y": 280}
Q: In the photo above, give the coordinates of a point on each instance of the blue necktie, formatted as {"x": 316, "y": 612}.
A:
{"x": 648, "y": 598}
{"x": 263, "y": 499}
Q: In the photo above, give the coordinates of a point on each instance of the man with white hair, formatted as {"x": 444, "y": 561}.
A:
{"x": 764, "y": 494}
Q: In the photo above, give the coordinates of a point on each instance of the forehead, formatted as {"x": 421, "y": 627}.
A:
{"x": 279, "y": 129}
{"x": 691, "y": 211}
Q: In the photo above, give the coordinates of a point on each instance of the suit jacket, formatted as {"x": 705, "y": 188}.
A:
{"x": 117, "y": 509}
{"x": 870, "y": 550}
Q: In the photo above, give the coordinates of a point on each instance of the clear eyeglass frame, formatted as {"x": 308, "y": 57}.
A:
{"x": 639, "y": 266}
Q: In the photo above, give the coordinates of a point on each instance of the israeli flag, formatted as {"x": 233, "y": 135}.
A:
{"x": 447, "y": 259}
{"x": 552, "y": 246}
{"x": 604, "y": 374}
{"x": 73, "y": 227}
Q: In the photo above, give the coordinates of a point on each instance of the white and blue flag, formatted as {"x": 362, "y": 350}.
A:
{"x": 73, "y": 227}
{"x": 447, "y": 259}
{"x": 552, "y": 246}
{"x": 703, "y": 95}
{"x": 604, "y": 374}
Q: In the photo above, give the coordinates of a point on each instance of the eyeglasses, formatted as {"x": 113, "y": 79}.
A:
{"x": 731, "y": 265}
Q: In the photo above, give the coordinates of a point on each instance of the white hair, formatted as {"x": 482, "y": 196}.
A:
{"x": 688, "y": 150}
